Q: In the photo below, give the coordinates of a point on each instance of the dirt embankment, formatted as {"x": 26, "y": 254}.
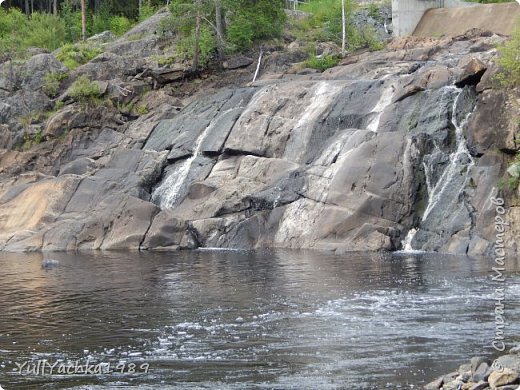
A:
{"x": 498, "y": 18}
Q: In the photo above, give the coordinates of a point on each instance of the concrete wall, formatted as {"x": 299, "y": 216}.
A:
{"x": 406, "y": 14}
{"x": 499, "y": 18}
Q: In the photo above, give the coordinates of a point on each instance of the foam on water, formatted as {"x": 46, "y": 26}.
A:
{"x": 272, "y": 320}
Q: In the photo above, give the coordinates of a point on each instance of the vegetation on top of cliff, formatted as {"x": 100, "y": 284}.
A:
{"x": 73, "y": 56}
{"x": 37, "y": 27}
{"x": 323, "y": 23}
{"x": 18, "y": 33}
{"x": 217, "y": 27}
{"x": 509, "y": 60}
{"x": 204, "y": 31}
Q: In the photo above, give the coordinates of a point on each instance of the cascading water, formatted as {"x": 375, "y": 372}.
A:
{"x": 454, "y": 177}
{"x": 460, "y": 161}
{"x": 169, "y": 192}
{"x": 407, "y": 242}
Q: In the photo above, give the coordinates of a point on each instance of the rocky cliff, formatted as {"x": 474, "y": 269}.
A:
{"x": 399, "y": 147}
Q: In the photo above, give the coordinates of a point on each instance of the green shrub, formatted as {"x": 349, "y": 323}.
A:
{"x": 373, "y": 10}
{"x": 321, "y": 63}
{"x": 207, "y": 45}
{"x": 52, "y": 82}
{"x": 164, "y": 60}
{"x": 240, "y": 33}
{"x": 247, "y": 22}
{"x": 267, "y": 16}
{"x": 514, "y": 169}
{"x": 46, "y": 31}
{"x": 147, "y": 10}
{"x": 120, "y": 25}
{"x": 141, "y": 110}
{"x": 31, "y": 140}
{"x": 512, "y": 179}
{"x": 84, "y": 90}
{"x": 326, "y": 16}
{"x": 365, "y": 37}
{"x": 58, "y": 105}
{"x": 73, "y": 56}
{"x": 509, "y": 60}
{"x": 167, "y": 26}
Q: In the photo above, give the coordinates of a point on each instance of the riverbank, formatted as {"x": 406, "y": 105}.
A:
{"x": 482, "y": 373}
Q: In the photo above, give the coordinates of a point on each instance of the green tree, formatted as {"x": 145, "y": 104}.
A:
{"x": 189, "y": 16}
{"x": 202, "y": 25}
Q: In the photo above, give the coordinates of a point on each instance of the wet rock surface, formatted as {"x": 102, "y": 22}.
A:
{"x": 350, "y": 159}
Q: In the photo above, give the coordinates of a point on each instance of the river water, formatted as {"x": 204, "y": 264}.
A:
{"x": 234, "y": 320}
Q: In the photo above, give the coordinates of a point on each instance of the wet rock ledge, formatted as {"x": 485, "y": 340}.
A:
{"x": 482, "y": 373}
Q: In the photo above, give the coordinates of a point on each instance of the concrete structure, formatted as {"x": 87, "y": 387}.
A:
{"x": 406, "y": 14}
{"x": 499, "y": 18}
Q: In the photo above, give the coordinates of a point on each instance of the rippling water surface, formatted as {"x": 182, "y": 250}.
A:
{"x": 233, "y": 320}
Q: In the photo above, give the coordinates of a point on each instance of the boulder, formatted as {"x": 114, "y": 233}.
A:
{"x": 129, "y": 224}
{"x": 35, "y": 70}
{"x": 237, "y": 62}
{"x": 477, "y": 361}
{"x": 165, "y": 233}
{"x": 453, "y": 385}
{"x": 168, "y": 75}
{"x": 480, "y": 386}
{"x": 503, "y": 378}
{"x": 482, "y": 372}
{"x": 102, "y": 37}
{"x": 472, "y": 74}
{"x": 510, "y": 361}
{"x": 435, "y": 385}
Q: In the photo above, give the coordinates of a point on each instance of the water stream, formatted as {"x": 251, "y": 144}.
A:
{"x": 169, "y": 192}
{"x": 445, "y": 189}
{"x": 459, "y": 161}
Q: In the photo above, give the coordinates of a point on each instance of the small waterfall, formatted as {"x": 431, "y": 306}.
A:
{"x": 168, "y": 193}
{"x": 384, "y": 101}
{"x": 444, "y": 186}
{"x": 407, "y": 242}
{"x": 460, "y": 158}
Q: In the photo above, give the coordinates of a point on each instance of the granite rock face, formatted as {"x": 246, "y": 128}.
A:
{"x": 357, "y": 158}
